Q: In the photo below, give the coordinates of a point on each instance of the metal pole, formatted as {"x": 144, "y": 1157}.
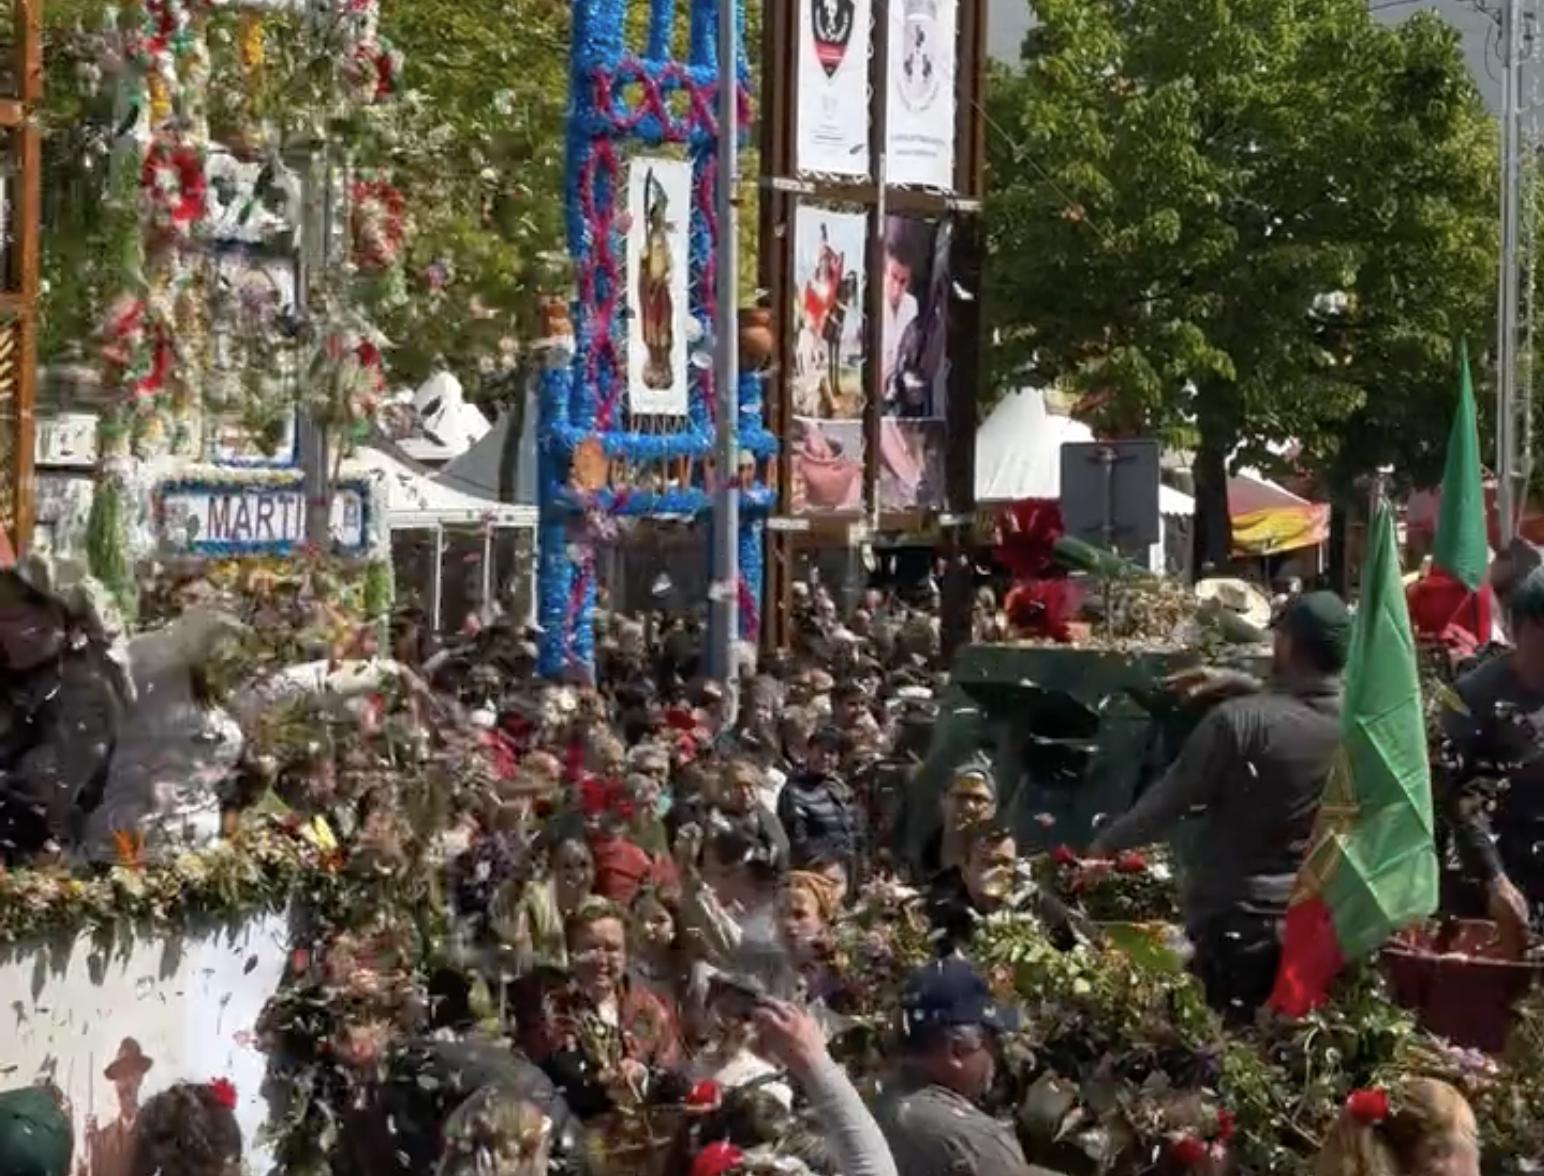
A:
{"x": 1506, "y": 341}
{"x": 724, "y": 599}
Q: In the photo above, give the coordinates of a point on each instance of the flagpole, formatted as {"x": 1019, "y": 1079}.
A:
{"x": 724, "y": 597}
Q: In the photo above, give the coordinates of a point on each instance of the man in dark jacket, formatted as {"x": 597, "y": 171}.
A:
{"x": 1253, "y": 772}
{"x": 961, "y": 897}
{"x": 59, "y": 713}
{"x": 1497, "y": 738}
{"x": 817, "y": 810}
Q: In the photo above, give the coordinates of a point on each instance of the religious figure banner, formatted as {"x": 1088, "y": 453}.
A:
{"x": 920, "y": 114}
{"x": 835, "y": 39}
{"x": 659, "y": 193}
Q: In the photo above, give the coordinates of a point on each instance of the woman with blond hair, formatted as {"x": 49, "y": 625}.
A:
{"x": 1422, "y": 1128}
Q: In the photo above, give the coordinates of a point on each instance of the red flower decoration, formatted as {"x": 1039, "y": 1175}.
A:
{"x": 705, "y": 1095}
{"x": 379, "y": 223}
{"x": 172, "y": 179}
{"x": 1029, "y": 531}
{"x": 1062, "y": 855}
{"x": 717, "y": 1159}
{"x": 1187, "y": 1151}
{"x": 1368, "y": 1107}
{"x": 300, "y": 960}
{"x": 1226, "y": 1125}
{"x": 1131, "y": 862}
{"x": 223, "y": 1092}
{"x": 1043, "y": 608}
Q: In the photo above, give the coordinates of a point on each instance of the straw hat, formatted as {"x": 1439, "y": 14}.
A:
{"x": 1239, "y": 597}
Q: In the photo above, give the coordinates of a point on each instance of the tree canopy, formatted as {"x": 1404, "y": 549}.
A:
{"x": 1241, "y": 222}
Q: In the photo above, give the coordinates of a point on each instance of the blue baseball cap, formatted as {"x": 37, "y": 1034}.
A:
{"x": 948, "y": 993}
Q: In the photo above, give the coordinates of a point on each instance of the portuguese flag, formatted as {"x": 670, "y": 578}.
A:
{"x": 1372, "y": 867}
{"x": 1452, "y": 603}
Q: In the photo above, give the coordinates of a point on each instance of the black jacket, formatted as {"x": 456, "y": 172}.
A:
{"x": 821, "y": 819}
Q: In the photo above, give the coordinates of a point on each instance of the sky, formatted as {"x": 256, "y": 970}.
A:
{"x": 1007, "y": 21}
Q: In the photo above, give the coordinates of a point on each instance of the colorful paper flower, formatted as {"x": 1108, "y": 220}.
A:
{"x": 223, "y": 1092}
{"x": 1368, "y": 1107}
{"x": 173, "y": 186}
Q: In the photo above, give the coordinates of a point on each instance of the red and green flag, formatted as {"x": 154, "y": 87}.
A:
{"x": 1452, "y": 603}
{"x": 1372, "y": 867}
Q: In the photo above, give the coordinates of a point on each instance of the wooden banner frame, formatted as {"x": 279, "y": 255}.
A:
{"x": 783, "y": 189}
{"x": 19, "y": 286}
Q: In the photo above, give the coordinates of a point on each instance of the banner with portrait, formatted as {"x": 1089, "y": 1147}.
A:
{"x": 659, "y": 193}
{"x": 835, "y": 40}
{"x": 920, "y": 113}
{"x": 914, "y": 362}
{"x": 827, "y": 396}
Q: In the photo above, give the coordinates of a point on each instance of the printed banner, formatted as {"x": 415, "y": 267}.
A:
{"x": 915, "y": 363}
{"x": 113, "y": 1026}
{"x": 835, "y": 39}
{"x": 919, "y": 117}
{"x": 826, "y": 388}
{"x": 659, "y": 195}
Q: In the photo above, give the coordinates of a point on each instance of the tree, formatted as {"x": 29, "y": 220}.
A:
{"x": 1242, "y": 222}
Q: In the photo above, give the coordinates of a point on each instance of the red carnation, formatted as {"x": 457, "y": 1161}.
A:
{"x": 1131, "y": 862}
{"x": 705, "y": 1095}
{"x": 223, "y": 1092}
{"x": 1368, "y": 1107}
{"x": 717, "y": 1159}
{"x": 1187, "y": 1151}
{"x": 1062, "y": 855}
{"x": 1226, "y": 1125}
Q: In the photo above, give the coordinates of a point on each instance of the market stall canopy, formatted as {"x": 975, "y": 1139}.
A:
{"x": 1018, "y": 454}
{"x": 1268, "y": 518}
{"x": 481, "y": 469}
{"x": 413, "y": 499}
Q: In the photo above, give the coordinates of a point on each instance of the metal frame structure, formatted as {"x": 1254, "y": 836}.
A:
{"x": 18, "y": 296}
{"x": 783, "y": 190}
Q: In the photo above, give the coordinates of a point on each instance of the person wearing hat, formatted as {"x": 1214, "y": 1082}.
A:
{"x": 111, "y": 1148}
{"x": 949, "y": 1029}
{"x": 1498, "y": 735}
{"x": 35, "y": 1134}
{"x": 1253, "y": 771}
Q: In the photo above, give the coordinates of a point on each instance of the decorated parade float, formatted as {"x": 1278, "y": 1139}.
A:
{"x": 275, "y": 905}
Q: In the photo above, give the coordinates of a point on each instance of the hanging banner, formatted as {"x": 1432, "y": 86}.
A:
{"x": 659, "y": 193}
{"x": 827, "y": 385}
{"x": 919, "y": 117}
{"x": 835, "y": 39}
{"x": 914, "y": 365}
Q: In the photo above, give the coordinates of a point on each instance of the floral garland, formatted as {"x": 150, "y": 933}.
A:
{"x": 379, "y": 224}
{"x": 373, "y": 70}
{"x": 174, "y": 188}
{"x": 261, "y": 871}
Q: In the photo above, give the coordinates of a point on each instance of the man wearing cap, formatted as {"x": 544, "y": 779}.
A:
{"x": 949, "y": 1026}
{"x": 1498, "y": 736}
{"x": 1252, "y": 772}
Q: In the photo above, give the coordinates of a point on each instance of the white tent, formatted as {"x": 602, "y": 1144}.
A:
{"x": 412, "y": 499}
{"x": 1018, "y": 456}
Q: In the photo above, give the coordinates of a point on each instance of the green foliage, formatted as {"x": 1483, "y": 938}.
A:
{"x": 1243, "y": 223}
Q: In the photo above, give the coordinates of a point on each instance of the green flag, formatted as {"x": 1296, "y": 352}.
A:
{"x": 1460, "y": 544}
{"x": 1372, "y": 868}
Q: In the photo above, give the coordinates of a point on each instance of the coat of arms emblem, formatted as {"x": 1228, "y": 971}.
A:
{"x": 832, "y": 23}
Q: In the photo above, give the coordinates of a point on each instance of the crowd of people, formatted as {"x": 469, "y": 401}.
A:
{"x": 643, "y": 911}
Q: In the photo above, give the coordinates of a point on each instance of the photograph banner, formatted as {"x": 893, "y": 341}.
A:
{"x": 919, "y": 124}
{"x": 826, "y": 386}
{"x": 911, "y": 464}
{"x": 835, "y": 40}
{"x": 659, "y": 193}
{"x": 914, "y": 366}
